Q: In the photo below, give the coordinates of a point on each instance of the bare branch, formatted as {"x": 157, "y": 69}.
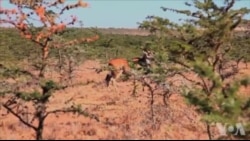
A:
{"x": 230, "y": 5}
{"x": 79, "y": 4}
{"x": 152, "y": 92}
{"x": 181, "y": 63}
{"x": 231, "y": 73}
{"x": 60, "y": 111}
{"x": 188, "y": 79}
{"x": 19, "y": 117}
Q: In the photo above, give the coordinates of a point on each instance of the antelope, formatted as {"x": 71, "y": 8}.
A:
{"x": 121, "y": 66}
{"x": 118, "y": 66}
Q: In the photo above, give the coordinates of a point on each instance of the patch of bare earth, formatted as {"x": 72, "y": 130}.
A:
{"x": 121, "y": 114}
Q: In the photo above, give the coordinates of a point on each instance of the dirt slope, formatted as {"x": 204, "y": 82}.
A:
{"x": 121, "y": 115}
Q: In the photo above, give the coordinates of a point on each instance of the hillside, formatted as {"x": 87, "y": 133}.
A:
{"x": 121, "y": 115}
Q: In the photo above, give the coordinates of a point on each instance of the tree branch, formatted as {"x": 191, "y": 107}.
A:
{"x": 70, "y": 110}
{"x": 60, "y": 111}
{"x": 181, "y": 63}
{"x": 230, "y": 5}
{"x": 190, "y": 80}
{"x": 15, "y": 25}
{"x": 19, "y": 117}
{"x": 205, "y": 86}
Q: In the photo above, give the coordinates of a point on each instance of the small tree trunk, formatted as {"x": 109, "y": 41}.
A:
{"x": 44, "y": 60}
{"x": 209, "y": 131}
{"x": 41, "y": 117}
{"x": 39, "y": 131}
{"x": 42, "y": 70}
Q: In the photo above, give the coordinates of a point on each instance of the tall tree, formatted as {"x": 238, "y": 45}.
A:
{"x": 201, "y": 46}
{"x": 38, "y": 21}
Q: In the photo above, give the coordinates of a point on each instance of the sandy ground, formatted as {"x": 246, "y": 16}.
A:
{"x": 121, "y": 114}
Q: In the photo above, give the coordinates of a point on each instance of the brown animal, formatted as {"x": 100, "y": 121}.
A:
{"x": 119, "y": 66}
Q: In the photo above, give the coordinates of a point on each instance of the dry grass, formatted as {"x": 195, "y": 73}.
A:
{"x": 122, "y": 116}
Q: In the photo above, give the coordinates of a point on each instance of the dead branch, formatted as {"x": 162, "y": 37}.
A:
{"x": 19, "y": 117}
{"x": 230, "y": 5}
{"x": 181, "y": 63}
{"x": 80, "y": 3}
{"x": 151, "y": 90}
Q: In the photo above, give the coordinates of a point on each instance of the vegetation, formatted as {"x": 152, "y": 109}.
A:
{"x": 43, "y": 41}
{"x": 203, "y": 45}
